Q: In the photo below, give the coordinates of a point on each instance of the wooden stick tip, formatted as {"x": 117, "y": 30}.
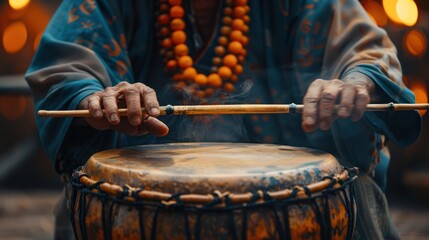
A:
{"x": 42, "y": 112}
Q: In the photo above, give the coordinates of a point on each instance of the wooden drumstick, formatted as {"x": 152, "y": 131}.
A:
{"x": 235, "y": 109}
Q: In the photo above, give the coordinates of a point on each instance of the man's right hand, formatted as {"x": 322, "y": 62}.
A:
{"x": 132, "y": 96}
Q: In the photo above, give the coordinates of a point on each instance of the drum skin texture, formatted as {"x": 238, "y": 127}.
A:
{"x": 112, "y": 196}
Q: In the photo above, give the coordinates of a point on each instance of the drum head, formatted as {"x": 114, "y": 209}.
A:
{"x": 205, "y": 167}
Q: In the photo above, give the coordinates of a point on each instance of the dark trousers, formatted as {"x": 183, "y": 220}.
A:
{"x": 63, "y": 227}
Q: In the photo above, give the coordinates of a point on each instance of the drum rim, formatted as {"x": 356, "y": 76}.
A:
{"x": 102, "y": 166}
{"x": 81, "y": 181}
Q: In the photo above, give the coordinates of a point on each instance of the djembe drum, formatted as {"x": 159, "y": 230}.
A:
{"x": 213, "y": 191}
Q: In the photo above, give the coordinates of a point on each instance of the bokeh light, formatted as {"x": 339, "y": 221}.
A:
{"x": 405, "y": 80}
{"x": 419, "y": 88}
{"x": 19, "y": 34}
{"x": 401, "y": 11}
{"x": 407, "y": 11}
{"x": 12, "y": 107}
{"x": 390, "y": 8}
{"x": 375, "y": 12}
{"x": 37, "y": 41}
{"x": 14, "y": 37}
{"x": 18, "y": 4}
{"x": 415, "y": 43}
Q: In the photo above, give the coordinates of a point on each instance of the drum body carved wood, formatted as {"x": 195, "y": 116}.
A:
{"x": 212, "y": 191}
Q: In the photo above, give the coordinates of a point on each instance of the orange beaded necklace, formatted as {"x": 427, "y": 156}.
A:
{"x": 229, "y": 53}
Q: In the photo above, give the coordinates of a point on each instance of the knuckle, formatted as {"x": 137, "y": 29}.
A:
{"x": 317, "y": 82}
{"x": 309, "y": 113}
{"x": 96, "y": 94}
{"x": 362, "y": 97}
{"x": 328, "y": 97}
{"x": 108, "y": 96}
{"x": 325, "y": 113}
{"x": 336, "y": 82}
{"x": 310, "y": 100}
{"x": 122, "y": 84}
{"x": 363, "y": 91}
{"x": 131, "y": 90}
{"x": 93, "y": 99}
{"x": 139, "y": 84}
{"x": 93, "y": 104}
{"x": 108, "y": 89}
{"x": 108, "y": 92}
{"x": 347, "y": 99}
{"x": 361, "y": 87}
{"x": 149, "y": 90}
{"x": 347, "y": 85}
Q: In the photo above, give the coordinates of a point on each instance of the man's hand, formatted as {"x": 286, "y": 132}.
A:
{"x": 352, "y": 94}
{"x": 132, "y": 96}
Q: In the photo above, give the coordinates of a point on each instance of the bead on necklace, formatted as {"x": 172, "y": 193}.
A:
{"x": 230, "y": 50}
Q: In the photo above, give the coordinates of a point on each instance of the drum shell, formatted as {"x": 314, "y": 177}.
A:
{"x": 326, "y": 213}
{"x": 296, "y": 219}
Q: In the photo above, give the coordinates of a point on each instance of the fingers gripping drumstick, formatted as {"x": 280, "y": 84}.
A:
{"x": 234, "y": 109}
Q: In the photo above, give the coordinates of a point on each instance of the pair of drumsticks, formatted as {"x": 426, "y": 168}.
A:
{"x": 234, "y": 109}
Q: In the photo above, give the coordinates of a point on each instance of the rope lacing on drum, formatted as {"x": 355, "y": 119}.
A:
{"x": 227, "y": 200}
{"x": 218, "y": 201}
{"x": 332, "y": 179}
{"x": 231, "y": 223}
{"x": 294, "y": 193}
{"x": 128, "y": 193}
{"x": 75, "y": 182}
{"x": 255, "y": 197}
{"x": 266, "y": 196}
{"x": 307, "y": 191}
{"x": 218, "y": 197}
{"x": 77, "y": 174}
{"x": 96, "y": 186}
{"x": 174, "y": 200}
{"x": 125, "y": 192}
{"x": 77, "y": 177}
{"x": 353, "y": 171}
{"x": 135, "y": 193}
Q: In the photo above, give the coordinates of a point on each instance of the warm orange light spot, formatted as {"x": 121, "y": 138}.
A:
{"x": 390, "y": 9}
{"x": 415, "y": 42}
{"x": 37, "y": 41}
{"x": 405, "y": 80}
{"x": 420, "y": 90}
{"x": 407, "y": 11}
{"x": 375, "y": 12}
{"x": 14, "y": 37}
{"x": 18, "y": 4}
{"x": 12, "y": 107}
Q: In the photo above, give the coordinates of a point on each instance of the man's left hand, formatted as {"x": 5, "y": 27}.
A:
{"x": 352, "y": 94}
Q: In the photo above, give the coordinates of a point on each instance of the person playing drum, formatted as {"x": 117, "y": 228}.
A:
{"x": 108, "y": 54}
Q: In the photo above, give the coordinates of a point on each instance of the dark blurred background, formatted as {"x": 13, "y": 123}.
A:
{"x": 29, "y": 188}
